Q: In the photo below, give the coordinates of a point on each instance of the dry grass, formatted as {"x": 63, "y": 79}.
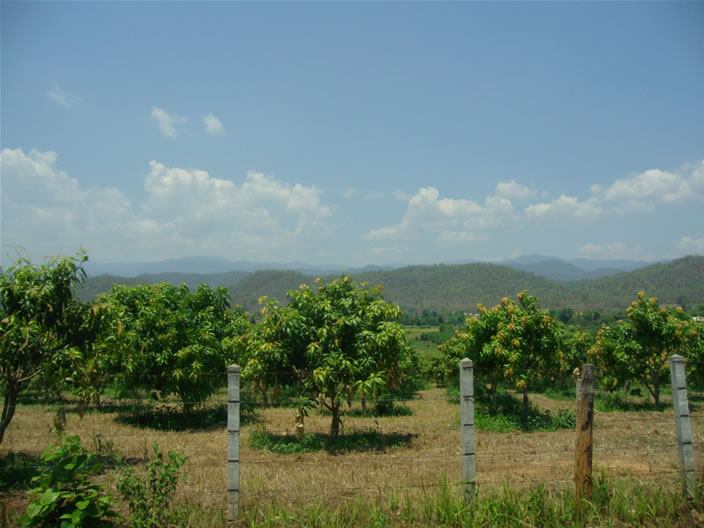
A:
{"x": 640, "y": 445}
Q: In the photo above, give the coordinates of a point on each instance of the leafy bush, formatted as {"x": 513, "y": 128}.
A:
{"x": 505, "y": 413}
{"x": 17, "y": 470}
{"x": 614, "y": 401}
{"x": 65, "y": 495}
{"x": 372, "y": 440}
{"x": 382, "y": 408}
{"x": 149, "y": 497}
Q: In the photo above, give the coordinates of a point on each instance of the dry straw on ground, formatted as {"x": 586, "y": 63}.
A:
{"x": 639, "y": 445}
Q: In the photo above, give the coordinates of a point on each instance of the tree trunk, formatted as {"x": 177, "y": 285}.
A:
{"x": 655, "y": 389}
{"x": 526, "y": 404}
{"x": 277, "y": 393}
{"x": 262, "y": 391}
{"x": 8, "y": 408}
{"x": 335, "y": 425}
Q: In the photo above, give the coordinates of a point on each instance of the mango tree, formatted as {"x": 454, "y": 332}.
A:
{"x": 33, "y": 300}
{"x": 269, "y": 350}
{"x": 338, "y": 340}
{"x": 512, "y": 341}
{"x": 640, "y": 347}
{"x": 169, "y": 341}
{"x": 92, "y": 330}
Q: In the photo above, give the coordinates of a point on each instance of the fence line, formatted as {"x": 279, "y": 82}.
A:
{"x": 383, "y": 459}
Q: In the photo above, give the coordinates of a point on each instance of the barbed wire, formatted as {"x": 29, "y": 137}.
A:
{"x": 373, "y": 426}
{"x": 373, "y": 458}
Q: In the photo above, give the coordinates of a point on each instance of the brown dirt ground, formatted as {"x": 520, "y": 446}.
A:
{"x": 640, "y": 446}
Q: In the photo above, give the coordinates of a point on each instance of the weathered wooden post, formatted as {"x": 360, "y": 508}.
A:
{"x": 584, "y": 445}
{"x": 683, "y": 426}
{"x": 233, "y": 442}
{"x": 469, "y": 466}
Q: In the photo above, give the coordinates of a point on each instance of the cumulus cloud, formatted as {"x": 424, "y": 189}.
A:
{"x": 514, "y": 190}
{"x": 639, "y": 193}
{"x": 656, "y": 185}
{"x": 566, "y": 207}
{"x": 450, "y": 218}
{"x": 258, "y": 205}
{"x": 184, "y": 212}
{"x": 349, "y": 192}
{"x": 170, "y": 125}
{"x": 691, "y": 245}
{"x": 61, "y": 97}
{"x": 213, "y": 126}
{"x": 44, "y": 206}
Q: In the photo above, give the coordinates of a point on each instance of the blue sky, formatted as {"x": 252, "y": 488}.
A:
{"x": 352, "y": 133}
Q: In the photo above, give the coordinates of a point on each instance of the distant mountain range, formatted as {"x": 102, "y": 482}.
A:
{"x": 207, "y": 265}
{"x": 542, "y": 265}
{"x": 576, "y": 269}
{"x": 460, "y": 287}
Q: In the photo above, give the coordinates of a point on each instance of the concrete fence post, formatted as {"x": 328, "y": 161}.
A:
{"x": 233, "y": 442}
{"x": 469, "y": 466}
{"x": 683, "y": 426}
{"x": 584, "y": 444}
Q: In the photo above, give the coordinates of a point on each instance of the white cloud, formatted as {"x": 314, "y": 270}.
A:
{"x": 61, "y": 97}
{"x": 213, "y": 126}
{"x": 168, "y": 124}
{"x": 349, "y": 192}
{"x": 256, "y": 205}
{"x": 514, "y": 190}
{"x": 450, "y": 218}
{"x": 615, "y": 250}
{"x": 565, "y": 207}
{"x": 640, "y": 193}
{"x": 45, "y": 207}
{"x": 655, "y": 185}
{"x": 373, "y": 195}
{"x": 461, "y": 236}
{"x": 691, "y": 245}
{"x": 185, "y": 212}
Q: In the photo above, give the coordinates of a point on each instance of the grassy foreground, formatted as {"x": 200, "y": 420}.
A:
{"x": 622, "y": 503}
{"x": 397, "y": 470}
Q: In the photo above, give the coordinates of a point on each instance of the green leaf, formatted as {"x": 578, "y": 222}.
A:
{"x": 49, "y": 497}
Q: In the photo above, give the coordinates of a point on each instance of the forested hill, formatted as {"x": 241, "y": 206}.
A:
{"x": 460, "y": 287}
{"x": 449, "y": 288}
{"x": 94, "y": 286}
{"x": 680, "y": 282}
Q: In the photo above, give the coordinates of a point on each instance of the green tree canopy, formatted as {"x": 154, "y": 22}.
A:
{"x": 512, "y": 341}
{"x": 169, "y": 341}
{"x": 640, "y": 347}
{"x": 338, "y": 340}
{"x": 33, "y": 333}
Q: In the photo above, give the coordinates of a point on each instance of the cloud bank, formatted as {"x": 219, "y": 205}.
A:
{"x": 184, "y": 212}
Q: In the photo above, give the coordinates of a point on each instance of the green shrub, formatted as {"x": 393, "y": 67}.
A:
{"x": 149, "y": 497}
{"x": 65, "y": 495}
{"x": 370, "y": 440}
